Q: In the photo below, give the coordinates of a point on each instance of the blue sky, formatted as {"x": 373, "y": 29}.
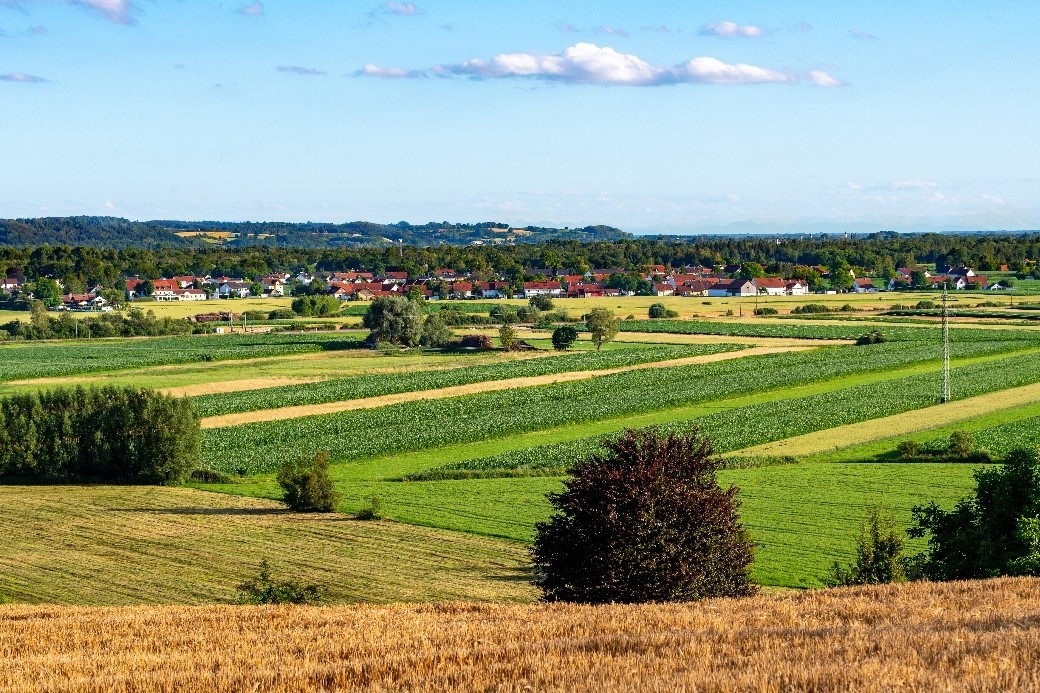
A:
{"x": 651, "y": 116}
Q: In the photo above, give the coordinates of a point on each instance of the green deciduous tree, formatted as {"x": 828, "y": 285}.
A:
{"x": 435, "y": 331}
{"x": 982, "y": 536}
{"x": 563, "y": 337}
{"x": 394, "y": 319}
{"x": 603, "y": 326}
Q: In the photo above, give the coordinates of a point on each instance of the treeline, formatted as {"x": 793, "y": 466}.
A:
{"x": 112, "y": 232}
{"x": 134, "y": 323}
{"x": 107, "y": 434}
{"x": 82, "y": 267}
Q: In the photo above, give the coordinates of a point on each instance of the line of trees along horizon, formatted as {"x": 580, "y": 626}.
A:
{"x": 880, "y": 254}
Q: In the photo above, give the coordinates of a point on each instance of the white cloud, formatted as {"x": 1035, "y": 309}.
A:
{"x": 253, "y": 9}
{"x": 388, "y": 72}
{"x": 993, "y": 199}
{"x": 611, "y": 31}
{"x": 915, "y": 185}
{"x": 731, "y": 30}
{"x": 714, "y": 71}
{"x": 118, "y": 11}
{"x": 297, "y": 70}
{"x": 587, "y": 63}
{"x": 23, "y": 77}
{"x": 567, "y": 28}
{"x": 824, "y": 79}
{"x": 401, "y": 9}
{"x": 862, "y": 35}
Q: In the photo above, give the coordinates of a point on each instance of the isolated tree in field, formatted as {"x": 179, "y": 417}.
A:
{"x": 394, "y": 319}
{"x": 983, "y": 535}
{"x": 563, "y": 337}
{"x": 435, "y": 332}
{"x": 541, "y": 302}
{"x": 306, "y": 484}
{"x": 644, "y": 521}
{"x": 879, "y": 554}
{"x": 602, "y": 325}
{"x": 507, "y": 337}
{"x": 660, "y": 310}
{"x": 265, "y": 589}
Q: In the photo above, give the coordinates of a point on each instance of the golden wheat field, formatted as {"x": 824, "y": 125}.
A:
{"x": 954, "y": 636}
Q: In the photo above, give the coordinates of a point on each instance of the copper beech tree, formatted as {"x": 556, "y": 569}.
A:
{"x": 644, "y": 521}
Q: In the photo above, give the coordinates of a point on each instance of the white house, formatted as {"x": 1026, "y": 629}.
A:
{"x": 236, "y": 289}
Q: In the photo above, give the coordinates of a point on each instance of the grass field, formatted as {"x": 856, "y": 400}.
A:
{"x": 134, "y": 545}
{"x": 974, "y": 636}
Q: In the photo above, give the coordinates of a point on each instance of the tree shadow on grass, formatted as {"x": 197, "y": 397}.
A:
{"x": 205, "y": 511}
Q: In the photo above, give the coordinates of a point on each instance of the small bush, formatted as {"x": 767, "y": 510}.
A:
{"x": 766, "y": 311}
{"x": 281, "y": 314}
{"x": 209, "y": 476}
{"x": 811, "y": 308}
{"x": 307, "y": 485}
{"x": 908, "y": 449}
{"x": 563, "y": 338}
{"x": 374, "y": 511}
{"x": 264, "y": 589}
{"x": 879, "y": 554}
{"x": 874, "y": 337}
{"x": 541, "y": 302}
{"x": 925, "y": 305}
{"x": 659, "y": 310}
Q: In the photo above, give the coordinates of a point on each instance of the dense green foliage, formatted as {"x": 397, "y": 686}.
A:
{"x": 563, "y": 337}
{"x": 394, "y": 319}
{"x": 306, "y": 484}
{"x": 831, "y": 331}
{"x": 316, "y": 306}
{"x": 879, "y": 554}
{"x": 988, "y": 533}
{"x": 644, "y": 521}
{"x": 135, "y": 323}
{"x": 106, "y": 434}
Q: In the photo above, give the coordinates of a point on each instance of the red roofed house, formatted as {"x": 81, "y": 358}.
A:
{"x": 542, "y": 289}
{"x": 771, "y": 286}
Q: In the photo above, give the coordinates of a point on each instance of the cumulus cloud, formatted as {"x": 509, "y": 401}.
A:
{"x": 824, "y": 79}
{"x": 862, "y": 35}
{"x": 297, "y": 70}
{"x": 401, "y": 9}
{"x": 23, "y": 77}
{"x": 389, "y": 72}
{"x": 731, "y": 30}
{"x": 253, "y": 9}
{"x": 587, "y": 63}
{"x": 118, "y": 11}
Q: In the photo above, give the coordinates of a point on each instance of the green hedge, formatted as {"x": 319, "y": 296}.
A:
{"x": 108, "y": 434}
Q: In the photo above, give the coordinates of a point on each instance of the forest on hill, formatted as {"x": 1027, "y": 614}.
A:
{"x": 116, "y": 233}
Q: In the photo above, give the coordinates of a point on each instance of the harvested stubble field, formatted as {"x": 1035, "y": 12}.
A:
{"x": 923, "y": 636}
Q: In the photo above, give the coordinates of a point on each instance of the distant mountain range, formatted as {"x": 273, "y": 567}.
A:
{"x": 116, "y": 233}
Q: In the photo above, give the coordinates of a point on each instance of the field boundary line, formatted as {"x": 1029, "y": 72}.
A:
{"x": 888, "y": 427}
{"x": 301, "y": 411}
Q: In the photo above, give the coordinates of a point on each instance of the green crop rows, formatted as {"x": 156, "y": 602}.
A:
{"x": 256, "y": 448}
{"x": 71, "y": 358}
{"x": 359, "y": 387}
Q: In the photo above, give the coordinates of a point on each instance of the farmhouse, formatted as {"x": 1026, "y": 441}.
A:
{"x": 771, "y": 286}
{"x": 233, "y": 289}
{"x": 547, "y": 288}
{"x": 736, "y": 287}
{"x": 863, "y": 285}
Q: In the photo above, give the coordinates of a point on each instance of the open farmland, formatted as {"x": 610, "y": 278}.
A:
{"x": 476, "y": 463}
{"x": 952, "y": 636}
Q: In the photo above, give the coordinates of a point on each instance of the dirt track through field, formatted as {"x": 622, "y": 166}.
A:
{"x": 841, "y": 437}
{"x": 474, "y": 388}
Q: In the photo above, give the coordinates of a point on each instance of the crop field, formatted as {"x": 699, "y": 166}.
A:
{"x": 925, "y": 636}
{"x": 467, "y": 445}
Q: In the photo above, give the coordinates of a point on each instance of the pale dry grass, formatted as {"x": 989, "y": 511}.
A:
{"x": 840, "y": 437}
{"x": 283, "y": 413}
{"x": 974, "y": 636}
{"x": 217, "y": 388}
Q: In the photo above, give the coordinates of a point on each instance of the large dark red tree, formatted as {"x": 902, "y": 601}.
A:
{"x": 644, "y": 521}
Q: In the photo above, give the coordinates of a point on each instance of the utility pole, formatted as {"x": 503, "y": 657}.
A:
{"x": 946, "y": 393}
